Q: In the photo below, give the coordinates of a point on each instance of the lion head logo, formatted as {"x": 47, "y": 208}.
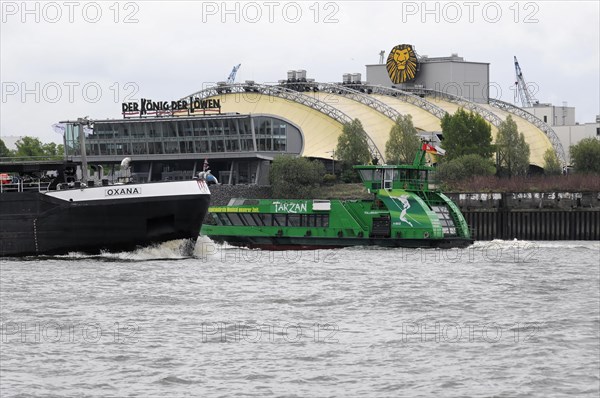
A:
{"x": 402, "y": 64}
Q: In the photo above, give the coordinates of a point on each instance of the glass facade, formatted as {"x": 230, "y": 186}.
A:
{"x": 178, "y": 136}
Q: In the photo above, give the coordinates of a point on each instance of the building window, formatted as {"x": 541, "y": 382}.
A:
{"x": 216, "y": 146}
{"x": 155, "y": 148}
{"x": 231, "y": 145}
{"x": 186, "y": 147}
{"x": 185, "y": 129}
{"x": 247, "y": 144}
{"x": 200, "y": 129}
{"x": 105, "y": 149}
{"x": 139, "y": 148}
{"x": 171, "y": 147}
{"x": 169, "y": 129}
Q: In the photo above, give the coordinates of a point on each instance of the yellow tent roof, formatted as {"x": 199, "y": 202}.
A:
{"x": 321, "y": 131}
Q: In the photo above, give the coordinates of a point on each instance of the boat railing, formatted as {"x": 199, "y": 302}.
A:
{"x": 25, "y": 186}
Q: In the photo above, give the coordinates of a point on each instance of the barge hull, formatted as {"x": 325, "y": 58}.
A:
{"x": 33, "y": 223}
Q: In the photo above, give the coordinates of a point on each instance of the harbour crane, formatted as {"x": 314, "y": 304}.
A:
{"x": 231, "y": 78}
{"x": 527, "y": 99}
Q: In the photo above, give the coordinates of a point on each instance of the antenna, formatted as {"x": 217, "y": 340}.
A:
{"x": 381, "y": 55}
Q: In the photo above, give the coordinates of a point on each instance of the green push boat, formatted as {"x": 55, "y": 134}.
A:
{"x": 407, "y": 210}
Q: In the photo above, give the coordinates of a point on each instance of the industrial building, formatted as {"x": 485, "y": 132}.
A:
{"x": 562, "y": 120}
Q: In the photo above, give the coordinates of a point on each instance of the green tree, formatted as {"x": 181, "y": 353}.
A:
{"x": 353, "y": 146}
{"x": 4, "y": 151}
{"x": 466, "y": 133}
{"x": 403, "y": 143}
{"x": 551, "y": 163}
{"x": 585, "y": 156}
{"x": 33, "y": 147}
{"x": 513, "y": 151}
{"x": 29, "y": 146}
{"x": 295, "y": 177}
{"x": 53, "y": 150}
{"x": 466, "y": 166}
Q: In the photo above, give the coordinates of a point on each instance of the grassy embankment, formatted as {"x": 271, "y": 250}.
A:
{"x": 569, "y": 183}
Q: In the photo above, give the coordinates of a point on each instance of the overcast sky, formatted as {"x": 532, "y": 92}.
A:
{"x": 63, "y": 60}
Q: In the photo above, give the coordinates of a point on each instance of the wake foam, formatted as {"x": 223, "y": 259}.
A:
{"x": 172, "y": 250}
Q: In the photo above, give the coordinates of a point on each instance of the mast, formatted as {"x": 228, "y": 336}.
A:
{"x": 81, "y": 122}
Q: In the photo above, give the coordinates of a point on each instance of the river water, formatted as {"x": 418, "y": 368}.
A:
{"x": 502, "y": 318}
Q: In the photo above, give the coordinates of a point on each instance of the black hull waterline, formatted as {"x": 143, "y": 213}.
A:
{"x": 34, "y": 223}
{"x": 311, "y": 243}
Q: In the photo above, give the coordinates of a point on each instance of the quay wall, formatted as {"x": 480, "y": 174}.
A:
{"x": 531, "y": 216}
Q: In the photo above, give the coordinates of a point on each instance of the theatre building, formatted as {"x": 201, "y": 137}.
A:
{"x": 240, "y": 127}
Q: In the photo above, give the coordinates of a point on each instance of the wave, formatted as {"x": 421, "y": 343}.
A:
{"x": 204, "y": 248}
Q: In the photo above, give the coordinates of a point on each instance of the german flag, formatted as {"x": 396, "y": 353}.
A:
{"x": 429, "y": 149}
